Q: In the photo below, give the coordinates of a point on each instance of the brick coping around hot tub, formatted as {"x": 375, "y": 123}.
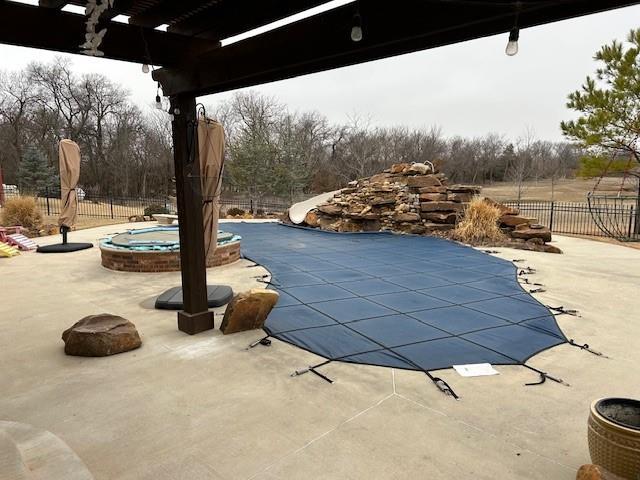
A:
{"x": 158, "y": 261}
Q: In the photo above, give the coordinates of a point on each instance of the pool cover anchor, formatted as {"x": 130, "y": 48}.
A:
{"x": 312, "y": 369}
{"x": 543, "y": 378}
{"x": 265, "y": 341}
{"x": 561, "y": 310}
{"x": 537, "y": 290}
{"x": 442, "y": 385}
{"x": 527, "y": 271}
{"x": 527, "y": 282}
{"x": 587, "y": 348}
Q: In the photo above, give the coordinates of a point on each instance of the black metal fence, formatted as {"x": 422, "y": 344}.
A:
{"x": 107, "y": 206}
{"x": 576, "y": 218}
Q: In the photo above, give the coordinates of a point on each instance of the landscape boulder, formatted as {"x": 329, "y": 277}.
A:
{"x": 406, "y": 217}
{"x": 419, "y": 168}
{"x": 330, "y": 209}
{"x": 526, "y": 231}
{"x": 248, "y": 310}
{"x": 398, "y": 167}
{"x": 101, "y": 335}
{"x": 460, "y": 197}
{"x": 311, "y": 219}
{"x": 515, "y": 220}
{"x": 432, "y": 197}
{"x": 469, "y": 189}
{"x": 440, "y": 206}
{"x": 424, "y": 181}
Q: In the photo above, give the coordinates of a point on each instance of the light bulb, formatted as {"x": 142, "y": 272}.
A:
{"x": 356, "y": 33}
{"x": 512, "y": 45}
{"x": 356, "y": 30}
{"x": 145, "y": 68}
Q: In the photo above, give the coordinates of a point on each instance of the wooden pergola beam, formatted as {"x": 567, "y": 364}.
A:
{"x": 52, "y": 3}
{"x": 323, "y": 42}
{"x": 231, "y": 17}
{"x": 164, "y": 12}
{"x": 51, "y": 29}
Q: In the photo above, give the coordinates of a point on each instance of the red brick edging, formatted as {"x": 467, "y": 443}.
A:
{"x": 158, "y": 261}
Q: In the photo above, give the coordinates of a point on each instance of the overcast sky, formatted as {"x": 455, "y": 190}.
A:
{"x": 468, "y": 89}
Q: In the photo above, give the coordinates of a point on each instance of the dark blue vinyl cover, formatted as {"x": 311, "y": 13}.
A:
{"x": 403, "y": 301}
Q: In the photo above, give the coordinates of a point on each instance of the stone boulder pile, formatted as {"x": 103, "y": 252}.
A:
{"x": 409, "y": 198}
{"x": 524, "y": 232}
{"x": 413, "y": 198}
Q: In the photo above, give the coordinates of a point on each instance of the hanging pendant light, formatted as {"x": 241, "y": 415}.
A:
{"x": 356, "y": 29}
{"x": 512, "y": 44}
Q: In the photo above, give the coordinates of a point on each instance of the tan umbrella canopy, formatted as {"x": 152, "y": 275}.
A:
{"x": 211, "y": 152}
{"x": 69, "y": 154}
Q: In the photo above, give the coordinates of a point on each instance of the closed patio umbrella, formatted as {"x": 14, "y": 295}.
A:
{"x": 211, "y": 153}
{"x": 69, "y": 158}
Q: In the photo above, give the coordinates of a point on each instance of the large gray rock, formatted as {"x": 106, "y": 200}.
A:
{"x": 100, "y": 335}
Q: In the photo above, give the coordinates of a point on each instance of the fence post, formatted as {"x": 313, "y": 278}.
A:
{"x": 551, "y": 216}
{"x": 631, "y": 217}
{"x": 251, "y": 204}
{"x": 111, "y": 204}
{"x": 46, "y": 192}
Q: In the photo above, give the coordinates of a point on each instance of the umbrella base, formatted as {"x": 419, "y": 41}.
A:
{"x": 217, "y": 295}
{"x": 64, "y": 247}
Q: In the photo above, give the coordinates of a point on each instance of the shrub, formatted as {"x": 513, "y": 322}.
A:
{"x": 479, "y": 223}
{"x": 155, "y": 208}
{"x": 22, "y": 211}
{"x": 235, "y": 212}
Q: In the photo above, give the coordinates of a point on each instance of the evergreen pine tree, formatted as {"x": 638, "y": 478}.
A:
{"x": 35, "y": 174}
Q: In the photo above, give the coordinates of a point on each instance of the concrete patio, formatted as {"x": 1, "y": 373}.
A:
{"x": 202, "y": 407}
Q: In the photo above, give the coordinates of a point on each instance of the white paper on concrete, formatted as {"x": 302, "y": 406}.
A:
{"x": 299, "y": 210}
{"x": 476, "y": 370}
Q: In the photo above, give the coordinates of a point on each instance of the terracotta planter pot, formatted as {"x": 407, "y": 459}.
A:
{"x": 614, "y": 436}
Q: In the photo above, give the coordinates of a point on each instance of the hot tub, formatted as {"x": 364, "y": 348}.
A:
{"x": 157, "y": 249}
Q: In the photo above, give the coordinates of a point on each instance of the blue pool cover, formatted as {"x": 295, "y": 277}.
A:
{"x": 418, "y": 303}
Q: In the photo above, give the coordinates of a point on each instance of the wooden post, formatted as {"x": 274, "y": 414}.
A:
{"x": 196, "y": 316}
